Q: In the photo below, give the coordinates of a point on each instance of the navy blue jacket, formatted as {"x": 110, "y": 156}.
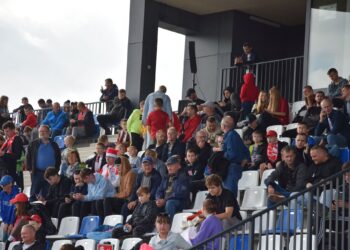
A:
{"x": 340, "y": 123}
{"x": 234, "y": 149}
{"x": 156, "y": 179}
{"x": 179, "y": 148}
{"x": 181, "y": 187}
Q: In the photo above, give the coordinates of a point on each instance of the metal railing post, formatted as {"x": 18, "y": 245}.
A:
{"x": 309, "y": 220}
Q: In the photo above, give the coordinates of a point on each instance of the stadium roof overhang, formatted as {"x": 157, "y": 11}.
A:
{"x": 286, "y": 12}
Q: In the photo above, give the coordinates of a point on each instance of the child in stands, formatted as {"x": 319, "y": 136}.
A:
{"x": 273, "y": 151}
{"x": 157, "y": 119}
{"x": 123, "y": 136}
{"x": 110, "y": 169}
{"x": 104, "y": 140}
{"x": 134, "y": 160}
{"x": 69, "y": 143}
{"x": 257, "y": 151}
{"x": 99, "y": 158}
{"x": 121, "y": 149}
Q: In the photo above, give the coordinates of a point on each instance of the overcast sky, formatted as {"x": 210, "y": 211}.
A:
{"x": 64, "y": 49}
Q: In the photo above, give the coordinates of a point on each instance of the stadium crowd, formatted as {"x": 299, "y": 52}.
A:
{"x": 160, "y": 160}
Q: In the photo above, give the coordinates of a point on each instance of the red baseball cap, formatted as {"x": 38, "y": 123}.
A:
{"x": 36, "y": 218}
{"x": 21, "y": 197}
{"x": 271, "y": 133}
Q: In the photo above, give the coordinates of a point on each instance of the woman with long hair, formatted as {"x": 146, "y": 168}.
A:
{"x": 262, "y": 103}
{"x": 4, "y": 111}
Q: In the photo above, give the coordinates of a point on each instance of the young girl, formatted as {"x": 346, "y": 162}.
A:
{"x": 123, "y": 134}
{"x": 110, "y": 169}
{"x": 134, "y": 160}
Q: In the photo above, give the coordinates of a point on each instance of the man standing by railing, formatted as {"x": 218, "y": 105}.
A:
{"x": 109, "y": 93}
{"x": 236, "y": 152}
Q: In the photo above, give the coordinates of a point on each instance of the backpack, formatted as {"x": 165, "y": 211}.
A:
{"x": 218, "y": 164}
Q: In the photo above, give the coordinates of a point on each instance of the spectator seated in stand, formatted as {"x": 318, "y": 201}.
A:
{"x": 249, "y": 129}
{"x": 262, "y": 103}
{"x": 43, "y": 110}
{"x": 334, "y": 88}
{"x": 159, "y": 165}
{"x": 73, "y": 164}
{"x": 227, "y": 206}
{"x": 212, "y": 130}
{"x": 143, "y": 217}
{"x": 110, "y": 170}
{"x": 134, "y": 160}
{"x": 195, "y": 170}
{"x": 68, "y": 143}
{"x": 31, "y": 119}
{"x": 161, "y": 139}
{"x": 210, "y": 109}
{"x": 302, "y": 149}
{"x": 56, "y": 120}
{"x": 273, "y": 151}
{"x": 123, "y": 135}
{"x": 173, "y": 146}
{"x": 302, "y": 128}
{"x": 310, "y": 101}
{"x": 149, "y": 177}
{"x": 98, "y": 160}
{"x": 28, "y": 240}
{"x": 173, "y": 194}
{"x": 84, "y": 125}
{"x": 289, "y": 176}
{"x": 202, "y": 147}
{"x": 258, "y": 152}
{"x": 191, "y": 123}
{"x": 211, "y": 225}
{"x": 249, "y": 94}
{"x": 336, "y": 123}
{"x": 231, "y": 101}
{"x": 104, "y": 139}
{"x": 20, "y": 109}
{"x": 40, "y": 233}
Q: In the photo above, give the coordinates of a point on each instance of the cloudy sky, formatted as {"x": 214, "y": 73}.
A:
{"x": 64, "y": 49}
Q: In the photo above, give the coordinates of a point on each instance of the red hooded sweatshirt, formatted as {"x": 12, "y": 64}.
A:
{"x": 249, "y": 92}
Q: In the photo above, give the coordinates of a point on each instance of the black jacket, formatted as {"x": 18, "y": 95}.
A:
{"x": 36, "y": 246}
{"x": 121, "y": 108}
{"x": 290, "y": 179}
{"x": 91, "y": 162}
{"x": 57, "y": 192}
{"x": 156, "y": 179}
{"x": 32, "y": 153}
{"x": 88, "y": 123}
{"x": 144, "y": 215}
{"x": 317, "y": 173}
{"x": 178, "y": 148}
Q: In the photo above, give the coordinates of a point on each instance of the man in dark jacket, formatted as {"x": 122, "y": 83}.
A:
{"x": 10, "y": 151}
{"x": 28, "y": 239}
{"x": 173, "y": 193}
{"x": 60, "y": 187}
{"x": 174, "y": 146}
{"x": 335, "y": 122}
{"x": 289, "y": 176}
{"x": 41, "y": 154}
{"x": 109, "y": 93}
{"x": 122, "y": 108}
{"x": 150, "y": 178}
{"x": 84, "y": 125}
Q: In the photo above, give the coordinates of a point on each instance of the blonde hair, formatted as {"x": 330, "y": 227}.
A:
{"x": 261, "y": 105}
{"x": 274, "y": 100}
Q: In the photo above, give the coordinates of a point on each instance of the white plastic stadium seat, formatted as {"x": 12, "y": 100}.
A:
{"x": 297, "y": 106}
{"x": 114, "y": 242}
{"x": 298, "y": 242}
{"x": 26, "y": 191}
{"x": 240, "y": 132}
{"x": 277, "y": 128}
{"x": 275, "y": 242}
{"x": 254, "y": 199}
{"x": 88, "y": 244}
{"x": 178, "y": 219}
{"x": 266, "y": 174}
{"x": 327, "y": 196}
{"x": 54, "y": 221}
{"x": 264, "y": 226}
{"x": 198, "y": 203}
{"x": 285, "y": 139}
{"x": 248, "y": 179}
{"x": 140, "y": 153}
{"x": 58, "y": 243}
{"x": 13, "y": 244}
{"x": 112, "y": 220}
{"x": 129, "y": 243}
{"x": 291, "y": 126}
{"x": 69, "y": 225}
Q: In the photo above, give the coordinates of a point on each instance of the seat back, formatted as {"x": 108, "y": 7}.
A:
{"x": 285, "y": 139}
{"x": 88, "y": 244}
{"x": 282, "y": 221}
{"x": 13, "y": 244}
{"x": 266, "y": 174}
{"x": 301, "y": 243}
{"x": 200, "y": 197}
{"x": 59, "y": 139}
{"x": 69, "y": 225}
{"x": 266, "y": 222}
{"x": 239, "y": 131}
{"x": 54, "y": 221}
{"x": 254, "y": 199}
{"x": 344, "y": 155}
{"x": 291, "y": 126}
{"x": 277, "y": 128}
{"x": 327, "y": 196}
{"x": 114, "y": 242}
{"x": 89, "y": 224}
{"x": 129, "y": 243}
{"x": 26, "y": 191}
{"x": 59, "y": 243}
{"x": 178, "y": 219}
{"x": 248, "y": 179}
{"x": 271, "y": 242}
{"x": 140, "y": 153}
{"x": 240, "y": 242}
{"x": 112, "y": 220}
{"x": 297, "y": 106}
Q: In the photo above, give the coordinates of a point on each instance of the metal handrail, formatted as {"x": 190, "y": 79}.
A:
{"x": 250, "y": 221}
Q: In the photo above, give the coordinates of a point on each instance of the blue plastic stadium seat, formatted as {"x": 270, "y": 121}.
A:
{"x": 89, "y": 224}
{"x": 60, "y": 141}
{"x": 241, "y": 241}
{"x": 283, "y": 217}
{"x": 344, "y": 155}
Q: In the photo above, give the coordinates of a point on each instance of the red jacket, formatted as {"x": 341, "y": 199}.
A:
{"x": 249, "y": 91}
{"x": 30, "y": 121}
{"x": 283, "y": 107}
{"x": 190, "y": 127}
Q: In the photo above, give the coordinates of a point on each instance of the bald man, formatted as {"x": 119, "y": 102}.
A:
{"x": 336, "y": 124}
{"x": 235, "y": 151}
{"x": 28, "y": 239}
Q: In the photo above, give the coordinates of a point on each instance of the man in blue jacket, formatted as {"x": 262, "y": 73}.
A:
{"x": 174, "y": 192}
{"x": 7, "y": 210}
{"x": 56, "y": 120}
{"x": 335, "y": 122}
{"x": 236, "y": 152}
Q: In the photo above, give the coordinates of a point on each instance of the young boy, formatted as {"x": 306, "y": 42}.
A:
{"x": 302, "y": 151}
{"x": 134, "y": 160}
{"x": 7, "y": 210}
{"x": 273, "y": 151}
{"x": 157, "y": 119}
{"x": 143, "y": 217}
{"x": 110, "y": 169}
{"x": 69, "y": 143}
{"x": 121, "y": 149}
{"x": 123, "y": 136}
{"x": 98, "y": 160}
{"x": 257, "y": 151}
{"x": 193, "y": 167}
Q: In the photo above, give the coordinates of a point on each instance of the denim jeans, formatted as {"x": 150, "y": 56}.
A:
{"x": 172, "y": 207}
{"x": 281, "y": 191}
{"x": 234, "y": 173}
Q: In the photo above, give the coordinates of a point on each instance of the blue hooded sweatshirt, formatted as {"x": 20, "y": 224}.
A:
{"x": 7, "y": 210}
